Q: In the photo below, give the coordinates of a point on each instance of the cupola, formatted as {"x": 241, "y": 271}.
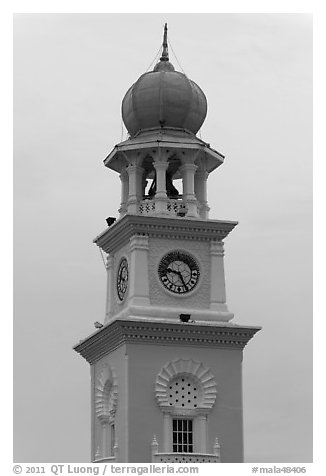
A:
{"x": 164, "y": 98}
{"x": 163, "y": 165}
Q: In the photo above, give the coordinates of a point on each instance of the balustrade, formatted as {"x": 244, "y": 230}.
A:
{"x": 174, "y": 207}
{"x": 185, "y": 458}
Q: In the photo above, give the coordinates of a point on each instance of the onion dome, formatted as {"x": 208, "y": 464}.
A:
{"x": 164, "y": 98}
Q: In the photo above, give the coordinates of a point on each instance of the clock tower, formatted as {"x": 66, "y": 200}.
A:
{"x": 166, "y": 380}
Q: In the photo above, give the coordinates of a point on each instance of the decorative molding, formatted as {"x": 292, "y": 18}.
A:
{"x": 165, "y": 227}
{"x": 217, "y": 248}
{"x": 138, "y": 243}
{"x": 109, "y": 262}
{"x": 202, "y": 375}
{"x": 188, "y": 167}
{"x": 161, "y": 162}
{"x": 124, "y": 175}
{"x": 148, "y": 311}
{"x": 123, "y": 331}
{"x": 202, "y": 173}
{"x": 106, "y": 394}
{"x": 175, "y": 140}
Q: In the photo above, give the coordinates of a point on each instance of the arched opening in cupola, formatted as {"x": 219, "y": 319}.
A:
{"x": 173, "y": 178}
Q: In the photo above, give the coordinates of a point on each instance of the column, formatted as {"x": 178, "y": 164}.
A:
{"x": 218, "y": 297}
{"x": 188, "y": 178}
{"x": 201, "y": 177}
{"x": 135, "y": 175}
{"x": 105, "y": 439}
{"x": 112, "y": 438}
{"x": 124, "y": 192}
{"x": 161, "y": 166}
{"x": 108, "y": 306}
{"x": 201, "y": 434}
{"x": 167, "y": 433}
{"x": 139, "y": 281}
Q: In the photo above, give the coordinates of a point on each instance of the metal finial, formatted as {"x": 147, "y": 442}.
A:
{"x": 165, "y": 52}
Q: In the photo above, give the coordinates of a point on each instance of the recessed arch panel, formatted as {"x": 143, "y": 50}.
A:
{"x": 106, "y": 394}
{"x": 185, "y": 383}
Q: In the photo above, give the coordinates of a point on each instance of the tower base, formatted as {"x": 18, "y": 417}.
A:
{"x": 136, "y": 366}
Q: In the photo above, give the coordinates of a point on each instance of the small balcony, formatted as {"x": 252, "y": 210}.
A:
{"x": 172, "y": 457}
{"x": 185, "y": 458}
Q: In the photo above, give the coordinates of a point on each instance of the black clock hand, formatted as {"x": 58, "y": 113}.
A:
{"x": 179, "y": 274}
{"x": 181, "y": 277}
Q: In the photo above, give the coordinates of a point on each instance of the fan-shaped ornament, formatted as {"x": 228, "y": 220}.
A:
{"x": 106, "y": 394}
{"x": 185, "y": 384}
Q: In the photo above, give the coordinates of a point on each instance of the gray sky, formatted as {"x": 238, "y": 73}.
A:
{"x": 71, "y": 72}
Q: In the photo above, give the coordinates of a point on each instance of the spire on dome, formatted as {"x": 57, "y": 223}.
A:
{"x": 164, "y": 63}
{"x": 165, "y": 52}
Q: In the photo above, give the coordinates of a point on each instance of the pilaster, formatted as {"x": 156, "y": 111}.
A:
{"x": 109, "y": 300}
{"x": 218, "y": 297}
{"x": 105, "y": 438}
{"x": 201, "y": 434}
{"x": 167, "y": 432}
{"x": 139, "y": 285}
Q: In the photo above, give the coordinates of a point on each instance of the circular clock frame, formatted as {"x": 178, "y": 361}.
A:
{"x": 179, "y": 272}
{"x": 122, "y": 279}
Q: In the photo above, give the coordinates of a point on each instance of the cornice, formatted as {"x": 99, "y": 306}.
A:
{"x": 177, "y": 228}
{"x": 174, "y": 140}
{"x": 120, "y": 332}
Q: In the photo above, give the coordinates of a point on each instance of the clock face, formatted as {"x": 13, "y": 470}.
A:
{"x": 122, "y": 279}
{"x": 179, "y": 272}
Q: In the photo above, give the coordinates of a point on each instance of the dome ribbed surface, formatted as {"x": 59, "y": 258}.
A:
{"x": 164, "y": 98}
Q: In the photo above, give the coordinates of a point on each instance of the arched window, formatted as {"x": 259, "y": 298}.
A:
{"x": 185, "y": 391}
{"x": 106, "y": 400}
